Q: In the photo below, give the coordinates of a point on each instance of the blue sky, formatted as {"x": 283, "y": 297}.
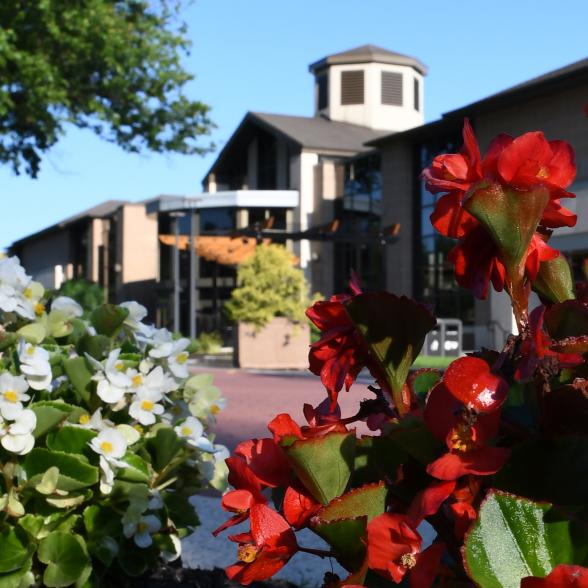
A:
{"x": 253, "y": 55}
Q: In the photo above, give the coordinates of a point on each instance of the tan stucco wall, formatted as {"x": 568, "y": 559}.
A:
{"x": 139, "y": 244}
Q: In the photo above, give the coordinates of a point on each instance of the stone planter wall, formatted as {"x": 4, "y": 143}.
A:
{"x": 280, "y": 345}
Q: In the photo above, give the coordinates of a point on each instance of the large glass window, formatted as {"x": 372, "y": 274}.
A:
{"x": 434, "y": 281}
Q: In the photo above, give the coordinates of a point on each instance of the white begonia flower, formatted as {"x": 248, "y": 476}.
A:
{"x": 145, "y": 407}
{"x": 177, "y": 360}
{"x": 207, "y": 402}
{"x": 106, "y": 476}
{"x": 192, "y": 430}
{"x": 137, "y": 312}
{"x": 12, "y": 394}
{"x": 142, "y": 530}
{"x": 176, "y": 412}
{"x": 13, "y": 282}
{"x": 111, "y": 445}
{"x": 30, "y": 303}
{"x": 67, "y": 306}
{"x": 112, "y": 377}
{"x": 95, "y": 422}
{"x": 34, "y": 364}
{"x": 18, "y": 437}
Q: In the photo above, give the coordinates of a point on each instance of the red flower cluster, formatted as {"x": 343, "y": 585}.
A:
{"x": 522, "y": 163}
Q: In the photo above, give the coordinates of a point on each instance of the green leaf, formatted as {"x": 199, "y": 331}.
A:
{"x": 97, "y": 346}
{"x": 65, "y": 556}
{"x": 548, "y": 469}
{"x": 33, "y": 333}
{"x": 108, "y": 318}
{"x": 138, "y": 470}
{"x": 554, "y": 281}
{"x": 14, "y": 550}
{"x": 323, "y": 464}
{"x": 70, "y": 500}
{"x": 346, "y": 539}
{"x": 164, "y": 446}
{"x": 74, "y": 471}
{"x": 422, "y": 380}
{"x": 70, "y": 439}
{"x": 180, "y": 509}
{"x": 49, "y": 414}
{"x": 376, "y": 457}
{"x": 368, "y": 501}
{"x": 134, "y": 560}
{"x": 48, "y": 482}
{"x": 568, "y": 319}
{"x": 413, "y": 437}
{"x": 80, "y": 376}
{"x": 100, "y": 520}
{"x": 21, "y": 578}
{"x": 394, "y": 328}
{"x": 515, "y": 537}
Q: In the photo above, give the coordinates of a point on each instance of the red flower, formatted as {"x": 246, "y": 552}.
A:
{"x": 428, "y": 501}
{"x": 561, "y": 576}
{"x": 283, "y": 426}
{"x": 299, "y": 507}
{"x": 394, "y": 549}
{"x": 266, "y": 460}
{"x": 265, "y": 550}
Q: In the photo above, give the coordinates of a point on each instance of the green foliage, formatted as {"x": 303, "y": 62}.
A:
{"x": 112, "y": 67}
{"x": 269, "y": 286}
{"x": 208, "y": 343}
{"x": 87, "y": 294}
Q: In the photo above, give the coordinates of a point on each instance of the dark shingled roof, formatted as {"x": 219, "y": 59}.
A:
{"x": 368, "y": 54}
{"x": 317, "y": 132}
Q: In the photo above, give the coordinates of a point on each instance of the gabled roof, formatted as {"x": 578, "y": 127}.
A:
{"x": 99, "y": 211}
{"x": 313, "y": 133}
{"x": 368, "y": 54}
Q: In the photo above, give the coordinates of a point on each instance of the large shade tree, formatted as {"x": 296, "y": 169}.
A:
{"x": 112, "y": 66}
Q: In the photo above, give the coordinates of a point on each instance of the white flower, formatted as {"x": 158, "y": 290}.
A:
{"x": 161, "y": 341}
{"x": 207, "y": 402}
{"x": 18, "y": 437}
{"x": 29, "y": 303}
{"x": 142, "y": 530}
{"x": 12, "y": 395}
{"x": 178, "y": 358}
{"x": 176, "y": 412}
{"x": 145, "y": 408}
{"x": 34, "y": 364}
{"x": 111, "y": 445}
{"x": 94, "y": 422}
{"x": 192, "y": 430}
{"x": 112, "y": 377}
{"x": 13, "y": 283}
{"x": 67, "y": 306}
{"x": 137, "y": 312}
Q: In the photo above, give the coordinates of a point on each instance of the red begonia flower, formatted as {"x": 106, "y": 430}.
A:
{"x": 283, "y": 426}
{"x": 266, "y": 460}
{"x": 299, "y": 507}
{"x": 538, "y": 345}
{"x": 428, "y": 501}
{"x": 465, "y": 514}
{"x": 480, "y": 461}
{"x": 562, "y": 576}
{"x": 392, "y": 546}
{"x": 450, "y": 218}
{"x": 531, "y": 160}
{"x": 470, "y": 380}
{"x": 265, "y": 550}
{"x": 246, "y": 494}
{"x": 426, "y": 569}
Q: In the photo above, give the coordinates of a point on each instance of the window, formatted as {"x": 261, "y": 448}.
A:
{"x": 352, "y": 87}
{"x": 417, "y": 97}
{"x": 322, "y": 89}
{"x": 392, "y": 88}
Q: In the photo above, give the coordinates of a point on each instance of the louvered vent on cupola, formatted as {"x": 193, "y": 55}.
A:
{"x": 392, "y": 88}
{"x": 352, "y": 87}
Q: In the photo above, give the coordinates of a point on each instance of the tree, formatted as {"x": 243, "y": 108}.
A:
{"x": 112, "y": 66}
{"x": 269, "y": 286}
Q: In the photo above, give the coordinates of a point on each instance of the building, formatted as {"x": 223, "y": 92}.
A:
{"x": 417, "y": 264}
{"x": 350, "y": 172}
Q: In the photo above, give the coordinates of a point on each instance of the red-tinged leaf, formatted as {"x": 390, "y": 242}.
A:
{"x": 562, "y": 575}
{"x": 470, "y": 381}
{"x": 347, "y": 539}
{"x": 323, "y": 464}
{"x": 394, "y": 329}
{"x": 568, "y": 320}
{"x": 480, "y": 462}
{"x": 428, "y": 501}
{"x": 554, "y": 282}
{"x": 368, "y": 500}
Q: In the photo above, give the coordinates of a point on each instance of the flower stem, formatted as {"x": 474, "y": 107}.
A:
{"x": 317, "y": 552}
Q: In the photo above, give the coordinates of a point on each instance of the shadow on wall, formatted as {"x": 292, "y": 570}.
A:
{"x": 143, "y": 292}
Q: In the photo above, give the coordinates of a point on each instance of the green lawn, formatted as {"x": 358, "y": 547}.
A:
{"x": 426, "y": 361}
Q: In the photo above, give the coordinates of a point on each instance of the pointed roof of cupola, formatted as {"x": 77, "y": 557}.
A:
{"x": 368, "y": 54}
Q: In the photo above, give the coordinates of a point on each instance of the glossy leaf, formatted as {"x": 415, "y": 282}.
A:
{"x": 346, "y": 539}
{"x": 368, "y": 501}
{"x": 80, "y": 376}
{"x": 65, "y": 556}
{"x": 108, "y": 318}
{"x": 394, "y": 328}
{"x": 70, "y": 439}
{"x": 49, "y": 415}
{"x": 164, "y": 446}
{"x": 14, "y": 550}
{"x": 309, "y": 459}
{"x": 515, "y": 537}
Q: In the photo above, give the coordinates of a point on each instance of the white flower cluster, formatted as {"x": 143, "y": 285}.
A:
{"x": 18, "y": 292}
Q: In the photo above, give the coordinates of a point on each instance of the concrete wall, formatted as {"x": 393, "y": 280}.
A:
{"x": 373, "y": 113}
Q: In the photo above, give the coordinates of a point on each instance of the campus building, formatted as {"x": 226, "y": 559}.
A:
{"x": 333, "y": 187}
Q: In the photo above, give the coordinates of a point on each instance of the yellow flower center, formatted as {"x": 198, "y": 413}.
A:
{"x": 28, "y": 293}
{"x": 543, "y": 173}
{"x": 10, "y": 396}
{"x": 408, "y": 560}
{"x": 142, "y": 527}
{"x": 119, "y": 366}
{"x": 147, "y": 405}
{"x": 247, "y": 553}
{"x": 215, "y": 409}
{"x": 186, "y": 431}
{"x": 31, "y": 350}
{"x": 462, "y": 438}
{"x": 137, "y": 380}
{"x": 182, "y": 358}
{"x": 84, "y": 419}
{"x": 106, "y": 446}
{"x": 39, "y": 308}
{"x": 138, "y": 428}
